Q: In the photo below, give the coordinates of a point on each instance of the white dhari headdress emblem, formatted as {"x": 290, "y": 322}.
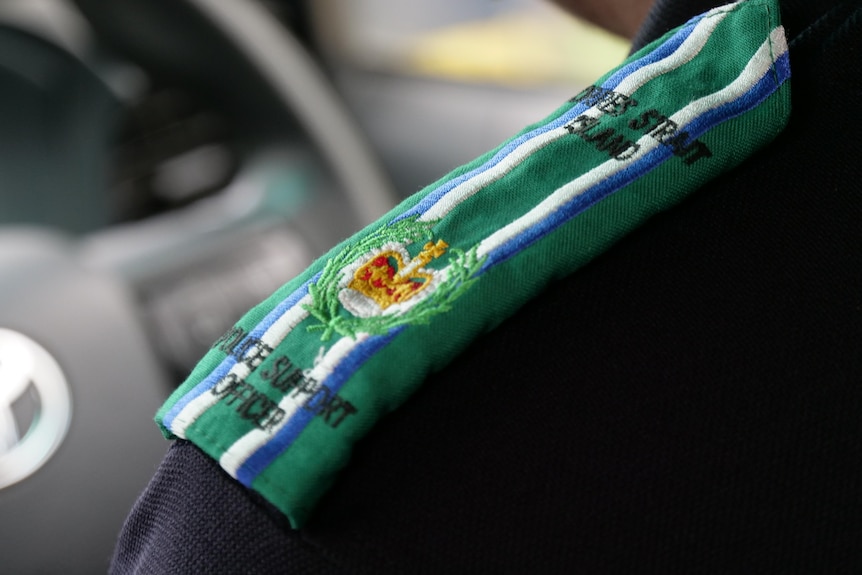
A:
{"x": 381, "y": 286}
{"x": 390, "y": 282}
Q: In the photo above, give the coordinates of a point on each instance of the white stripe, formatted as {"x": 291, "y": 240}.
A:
{"x": 232, "y": 459}
{"x": 271, "y": 337}
{"x": 686, "y": 52}
{"x": 285, "y": 324}
{"x": 760, "y": 64}
{"x": 690, "y": 48}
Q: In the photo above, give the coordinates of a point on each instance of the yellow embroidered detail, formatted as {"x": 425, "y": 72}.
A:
{"x": 387, "y": 280}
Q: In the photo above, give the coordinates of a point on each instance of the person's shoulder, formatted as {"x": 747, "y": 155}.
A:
{"x": 674, "y": 376}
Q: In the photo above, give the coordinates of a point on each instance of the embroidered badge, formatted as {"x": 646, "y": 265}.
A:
{"x": 280, "y": 400}
{"x": 382, "y": 287}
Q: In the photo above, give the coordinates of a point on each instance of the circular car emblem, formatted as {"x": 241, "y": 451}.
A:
{"x": 35, "y": 406}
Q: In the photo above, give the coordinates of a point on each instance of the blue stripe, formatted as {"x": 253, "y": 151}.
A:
{"x": 227, "y": 363}
{"x": 764, "y": 88}
{"x": 663, "y": 51}
{"x": 285, "y": 437}
{"x": 284, "y": 306}
{"x": 215, "y": 375}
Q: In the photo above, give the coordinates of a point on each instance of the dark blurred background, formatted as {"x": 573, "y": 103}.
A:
{"x": 166, "y": 164}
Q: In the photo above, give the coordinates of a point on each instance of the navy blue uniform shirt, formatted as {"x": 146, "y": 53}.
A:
{"x": 702, "y": 413}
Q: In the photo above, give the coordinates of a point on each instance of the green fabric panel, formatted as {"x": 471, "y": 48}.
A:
{"x": 295, "y": 474}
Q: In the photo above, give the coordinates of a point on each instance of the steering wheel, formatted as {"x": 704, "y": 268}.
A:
{"x": 98, "y": 321}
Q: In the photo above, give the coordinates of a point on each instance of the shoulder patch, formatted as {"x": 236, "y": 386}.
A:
{"x": 281, "y": 398}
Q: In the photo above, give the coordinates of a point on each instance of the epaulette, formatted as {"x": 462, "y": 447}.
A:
{"x": 282, "y": 397}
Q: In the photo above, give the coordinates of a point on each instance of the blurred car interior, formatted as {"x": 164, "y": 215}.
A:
{"x": 166, "y": 164}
